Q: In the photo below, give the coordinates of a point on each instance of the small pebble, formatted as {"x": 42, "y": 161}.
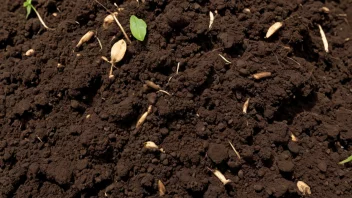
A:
{"x": 258, "y": 187}
{"x": 286, "y": 166}
{"x": 240, "y": 174}
{"x": 322, "y": 166}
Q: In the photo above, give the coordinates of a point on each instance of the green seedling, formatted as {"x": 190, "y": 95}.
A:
{"x": 349, "y": 159}
{"x": 28, "y": 5}
{"x": 138, "y": 28}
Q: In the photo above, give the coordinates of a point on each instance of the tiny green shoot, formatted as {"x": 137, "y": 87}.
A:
{"x": 29, "y": 7}
{"x": 138, "y": 28}
{"x": 349, "y": 159}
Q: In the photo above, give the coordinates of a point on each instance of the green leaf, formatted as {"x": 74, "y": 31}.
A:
{"x": 138, "y": 28}
{"x": 28, "y": 5}
{"x": 29, "y": 9}
{"x": 346, "y": 160}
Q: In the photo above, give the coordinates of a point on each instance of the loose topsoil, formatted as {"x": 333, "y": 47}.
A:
{"x": 69, "y": 131}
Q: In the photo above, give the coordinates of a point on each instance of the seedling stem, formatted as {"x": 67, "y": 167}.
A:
{"x": 28, "y": 5}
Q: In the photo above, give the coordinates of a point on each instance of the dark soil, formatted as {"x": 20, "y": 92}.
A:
{"x": 70, "y": 131}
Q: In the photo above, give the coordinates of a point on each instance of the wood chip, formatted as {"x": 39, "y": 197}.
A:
{"x": 323, "y": 37}
{"x": 273, "y": 29}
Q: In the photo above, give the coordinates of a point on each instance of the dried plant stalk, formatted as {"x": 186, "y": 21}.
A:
{"x": 236, "y": 152}
{"x": 273, "y": 29}
{"x": 261, "y": 75}
{"x": 323, "y": 37}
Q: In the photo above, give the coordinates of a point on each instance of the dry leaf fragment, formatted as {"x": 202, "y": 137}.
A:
{"x": 261, "y": 75}
{"x": 245, "y": 106}
{"x": 325, "y": 41}
{"x": 152, "y": 85}
{"x": 211, "y": 16}
{"x": 161, "y": 187}
{"x": 273, "y": 29}
{"x": 220, "y": 176}
{"x": 303, "y": 188}
{"x": 85, "y": 38}
{"x": 29, "y": 52}
{"x": 108, "y": 20}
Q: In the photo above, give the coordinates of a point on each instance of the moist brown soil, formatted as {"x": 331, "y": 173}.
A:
{"x": 70, "y": 131}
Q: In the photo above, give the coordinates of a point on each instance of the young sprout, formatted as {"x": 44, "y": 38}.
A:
{"x": 303, "y": 188}
{"x": 161, "y": 188}
{"x": 85, "y": 38}
{"x": 323, "y": 37}
{"x": 152, "y": 85}
{"x": 108, "y": 20}
{"x": 245, "y": 106}
{"x": 118, "y": 51}
{"x": 261, "y": 75}
{"x": 29, "y": 52}
{"x": 349, "y": 159}
{"x": 28, "y": 5}
{"x": 220, "y": 176}
{"x": 273, "y": 29}
{"x": 211, "y": 16}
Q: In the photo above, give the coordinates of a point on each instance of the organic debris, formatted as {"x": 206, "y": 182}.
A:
{"x": 30, "y": 52}
{"x": 161, "y": 188}
{"x": 220, "y": 176}
{"x": 211, "y": 16}
{"x": 152, "y": 85}
{"x": 152, "y": 146}
{"x": 118, "y": 51}
{"x": 273, "y": 29}
{"x": 143, "y": 117}
{"x": 85, "y": 38}
{"x": 226, "y": 61}
{"x": 245, "y": 106}
{"x": 117, "y": 21}
{"x": 323, "y": 37}
{"x": 108, "y": 20}
{"x": 303, "y": 188}
{"x": 325, "y": 9}
{"x": 261, "y": 75}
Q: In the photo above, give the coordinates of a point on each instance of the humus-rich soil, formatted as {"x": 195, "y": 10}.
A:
{"x": 69, "y": 131}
